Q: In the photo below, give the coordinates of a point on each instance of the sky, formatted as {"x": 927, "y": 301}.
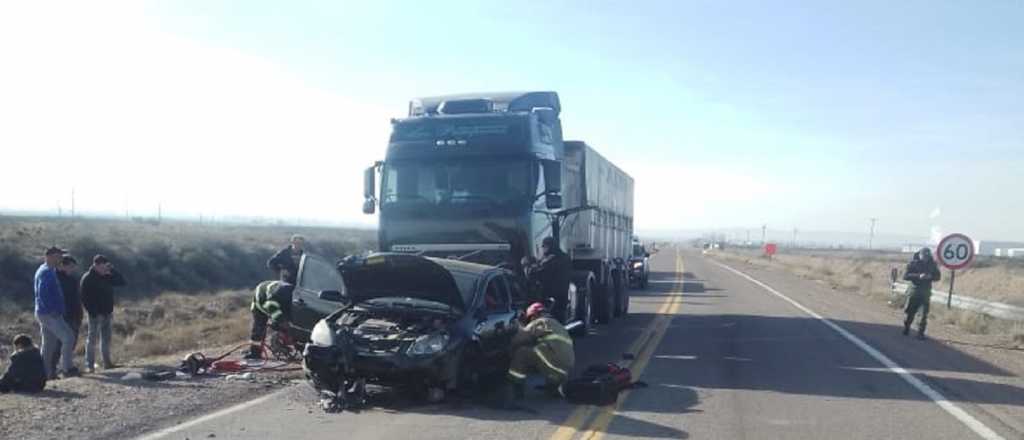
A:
{"x": 815, "y": 115}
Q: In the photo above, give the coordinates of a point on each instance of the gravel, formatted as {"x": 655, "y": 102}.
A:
{"x": 104, "y": 405}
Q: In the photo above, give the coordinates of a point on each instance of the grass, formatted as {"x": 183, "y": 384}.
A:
{"x": 187, "y": 282}
{"x": 165, "y": 324}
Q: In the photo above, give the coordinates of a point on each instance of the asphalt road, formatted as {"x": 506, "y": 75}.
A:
{"x": 723, "y": 357}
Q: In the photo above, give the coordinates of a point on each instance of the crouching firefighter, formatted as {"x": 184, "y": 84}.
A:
{"x": 271, "y": 303}
{"x": 541, "y": 346}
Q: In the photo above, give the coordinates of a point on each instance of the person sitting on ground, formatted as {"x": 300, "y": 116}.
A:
{"x": 27, "y": 373}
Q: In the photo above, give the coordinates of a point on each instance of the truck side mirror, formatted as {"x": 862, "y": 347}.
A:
{"x": 369, "y": 190}
{"x": 369, "y": 187}
{"x": 552, "y": 176}
{"x": 553, "y": 201}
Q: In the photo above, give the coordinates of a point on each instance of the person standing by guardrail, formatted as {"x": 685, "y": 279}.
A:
{"x": 921, "y": 272}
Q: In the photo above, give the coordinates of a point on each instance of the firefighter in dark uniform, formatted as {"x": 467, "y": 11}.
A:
{"x": 921, "y": 272}
{"x": 553, "y": 274}
{"x": 271, "y": 303}
{"x": 541, "y": 346}
{"x": 288, "y": 259}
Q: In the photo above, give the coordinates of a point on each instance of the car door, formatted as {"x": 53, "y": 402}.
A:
{"x": 495, "y": 318}
{"x": 319, "y": 291}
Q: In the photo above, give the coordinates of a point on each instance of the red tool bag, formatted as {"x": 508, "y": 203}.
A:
{"x": 599, "y": 385}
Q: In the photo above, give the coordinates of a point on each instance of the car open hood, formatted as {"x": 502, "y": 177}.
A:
{"x": 400, "y": 275}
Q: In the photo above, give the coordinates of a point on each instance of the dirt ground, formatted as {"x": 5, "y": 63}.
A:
{"x": 107, "y": 405}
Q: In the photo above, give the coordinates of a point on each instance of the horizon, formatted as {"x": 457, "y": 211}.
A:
{"x": 816, "y": 117}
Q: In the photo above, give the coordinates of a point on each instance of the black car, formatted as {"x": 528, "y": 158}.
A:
{"x": 639, "y": 265}
{"x": 430, "y": 324}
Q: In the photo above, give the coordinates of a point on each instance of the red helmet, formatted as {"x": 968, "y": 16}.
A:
{"x": 534, "y": 310}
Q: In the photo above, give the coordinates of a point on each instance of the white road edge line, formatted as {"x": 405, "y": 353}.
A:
{"x": 233, "y": 409}
{"x": 972, "y": 423}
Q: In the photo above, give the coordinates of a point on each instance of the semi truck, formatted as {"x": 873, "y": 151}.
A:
{"x": 486, "y": 177}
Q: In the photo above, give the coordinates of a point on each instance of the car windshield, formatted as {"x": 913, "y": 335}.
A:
{"x": 458, "y": 182}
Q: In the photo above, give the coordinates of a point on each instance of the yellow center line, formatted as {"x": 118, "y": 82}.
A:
{"x": 642, "y": 348}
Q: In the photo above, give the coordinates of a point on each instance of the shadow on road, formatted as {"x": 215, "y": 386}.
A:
{"x": 796, "y": 355}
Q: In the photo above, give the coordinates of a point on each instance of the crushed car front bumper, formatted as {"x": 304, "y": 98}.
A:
{"x": 324, "y": 366}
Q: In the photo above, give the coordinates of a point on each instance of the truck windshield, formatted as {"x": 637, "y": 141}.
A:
{"x": 454, "y": 182}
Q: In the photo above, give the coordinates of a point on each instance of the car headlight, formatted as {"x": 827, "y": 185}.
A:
{"x": 322, "y": 334}
{"x": 638, "y": 264}
{"x": 428, "y": 344}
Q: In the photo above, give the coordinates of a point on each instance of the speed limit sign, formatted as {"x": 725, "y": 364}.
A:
{"x": 955, "y": 251}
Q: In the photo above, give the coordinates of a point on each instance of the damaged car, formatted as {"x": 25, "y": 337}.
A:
{"x": 429, "y": 325}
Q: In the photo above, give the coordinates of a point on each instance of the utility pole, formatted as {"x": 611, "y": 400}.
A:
{"x": 794, "y": 237}
{"x": 72, "y": 202}
{"x": 748, "y": 238}
{"x": 871, "y": 235}
{"x": 764, "y": 234}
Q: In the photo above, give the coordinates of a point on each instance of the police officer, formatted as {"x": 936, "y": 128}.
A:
{"x": 271, "y": 302}
{"x": 541, "y": 346}
{"x": 921, "y": 272}
{"x": 553, "y": 273}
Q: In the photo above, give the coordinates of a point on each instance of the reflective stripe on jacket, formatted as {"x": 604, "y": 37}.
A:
{"x": 273, "y": 299}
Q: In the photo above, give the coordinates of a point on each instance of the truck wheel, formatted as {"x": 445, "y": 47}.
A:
{"x": 605, "y": 303}
{"x": 643, "y": 282}
{"x": 621, "y": 295}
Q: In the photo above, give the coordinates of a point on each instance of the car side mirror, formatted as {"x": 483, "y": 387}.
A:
{"x": 331, "y": 295}
{"x": 553, "y": 201}
{"x": 369, "y": 187}
{"x": 369, "y": 206}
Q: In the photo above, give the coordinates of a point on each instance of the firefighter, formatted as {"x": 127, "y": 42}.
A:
{"x": 541, "y": 346}
{"x": 271, "y": 302}
{"x": 553, "y": 274}
{"x": 921, "y": 272}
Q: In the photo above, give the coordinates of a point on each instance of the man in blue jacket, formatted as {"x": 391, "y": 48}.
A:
{"x": 50, "y": 314}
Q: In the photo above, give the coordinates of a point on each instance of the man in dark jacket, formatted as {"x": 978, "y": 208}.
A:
{"x": 72, "y": 303}
{"x": 921, "y": 272}
{"x": 98, "y": 298}
{"x": 26, "y": 374}
{"x": 554, "y": 274}
{"x": 288, "y": 259}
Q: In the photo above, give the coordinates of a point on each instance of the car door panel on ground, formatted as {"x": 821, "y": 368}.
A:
{"x": 316, "y": 276}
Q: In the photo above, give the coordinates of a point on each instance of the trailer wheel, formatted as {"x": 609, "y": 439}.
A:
{"x": 606, "y": 303}
{"x": 584, "y": 310}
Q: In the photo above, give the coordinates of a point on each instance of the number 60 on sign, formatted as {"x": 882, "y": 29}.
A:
{"x": 955, "y": 251}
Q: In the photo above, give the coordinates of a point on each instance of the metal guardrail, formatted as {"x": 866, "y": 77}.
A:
{"x": 991, "y": 308}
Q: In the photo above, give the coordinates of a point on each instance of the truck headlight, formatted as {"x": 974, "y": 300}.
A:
{"x": 638, "y": 264}
{"x": 322, "y": 335}
{"x": 428, "y": 344}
